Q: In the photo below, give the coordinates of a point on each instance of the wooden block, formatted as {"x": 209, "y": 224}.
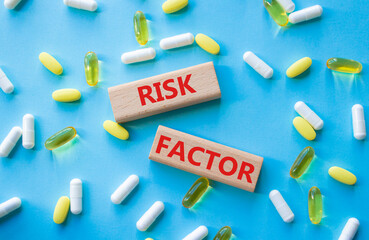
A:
{"x": 205, "y": 158}
{"x": 164, "y": 92}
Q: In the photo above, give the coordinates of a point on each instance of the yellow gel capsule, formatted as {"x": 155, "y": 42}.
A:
{"x": 66, "y": 95}
{"x": 172, "y": 6}
{"x": 276, "y": 11}
{"x": 304, "y": 128}
{"x": 298, "y": 67}
{"x": 91, "y": 68}
{"x": 140, "y": 27}
{"x": 60, "y": 138}
{"x": 116, "y": 130}
{"x": 344, "y": 65}
{"x": 315, "y": 205}
{"x": 149, "y": 239}
{"x": 342, "y": 175}
{"x": 61, "y": 210}
{"x": 196, "y": 191}
{"x": 50, "y": 63}
{"x": 207, "y": 43}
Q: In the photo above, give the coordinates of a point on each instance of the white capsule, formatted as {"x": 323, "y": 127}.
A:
{"x": 288, "y": 5}
{"x": 11, "y": 4}
{"x": 177, "y": 41}
{"x": 150, "y": 215}
{"x": 315, "y": 121}
{"x": 358, "y": 122}
{"x": 258, "y": 65}
{"x": 350, "y": 229}
{"x": 5, "y": 83}
{"x": 306, "y": 14}
{"x": 124, "y": 189}
{"x": 28, "y": 138}
{"x": 88, "y": 5}
{"x": 9, "y": 206}
{"x": 76, "y": 196}
{"x": 138, "y": 55}
{"x": 198, "y": 234}
{"x": 9, "y": 142}
{"x": 282, "y": 207}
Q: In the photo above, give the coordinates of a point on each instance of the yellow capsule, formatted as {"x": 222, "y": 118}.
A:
{"x": 116, "y": 130}
{"x": 172, "y": 6}
{"x": 207, "y": 43}
{"x": 276, "y": 11}
{"x": 61, "y": 210}
{"x": 66, "y": 95}
{"x": 91, "y": 68}
{"x": 342, "y": 175}
{"x": 315, "y": 205}
{"x": 140, "y": 27}
{"x": 60, "y": 138}
{"x": 304, "y": 128}
{"x": 344, "y": 65}
{"x": 298, "y": 67}
{"x": 50, "y": 63}
{"x": 149, "y": 239}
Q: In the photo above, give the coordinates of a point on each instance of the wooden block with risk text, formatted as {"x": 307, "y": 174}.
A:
{"x": 205, "y": 158}
{"x": 164, "y": 92}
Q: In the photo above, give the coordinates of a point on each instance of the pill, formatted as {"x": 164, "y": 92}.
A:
{"x": 358, "y": 122}
{"x": 171, "y": 6}
{"x": 298, "y": 67}
{"x": 198, "y": 234}
{"x": 195, "y": 192}
{"x": 11, "y": 4}
{"x": 50, "y": 63}
{"x": 60, "y": 138}
{"x": 177, "y": 41}
{"x": 5, "y": 83}
{"x": 140, "y": 27}
{"x": 150, "y": 216}
{"x": 288, "y": 5}
{"x": 9, "y": 206}
{"x": 224, "y": 233}
{"x": 281, "y": 205}
{"x": 350, "y": 229}
{"x": 306, "y": 14}
{"x": 258, "y": 65}
{"x": 304, "y": 128}
{"x": 315, "y": 121}
{"x": 149, "y": 239}
{"x": 9, "y": 142}
{"x": 76, "y": 196}
{"x": 207, "y": 43}
{"x": 124, "y": 189}
{"x": 66, "y": 95}
{"x": 61, "y": 210}
{"x": 116, "y": 130}
{"x": 342, "y": 175}
{"x": 277, "y": 12}
{"x": 91, "y": 68}
{"x": 315, "y": 205}
{"x": 88, "y": 5}
{"x": 302, "y": 162}
{"x": 344, "y": 65}
{"x": 140, "y": 55}
{"x": 28, "y": 138}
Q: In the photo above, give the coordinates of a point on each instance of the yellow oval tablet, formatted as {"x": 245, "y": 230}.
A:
{"x": 298, "y": 67}
{"x": 116, "y": 130}
{"x": 66, "y": 95}
{"x": 50, "y": 63}
{"x": 207, "y": 43}
{"x": 61, "y": 210}
{"x": 304, "y": 128}
{"x": 342, "y": 175}
{"x": 172, "y": 6}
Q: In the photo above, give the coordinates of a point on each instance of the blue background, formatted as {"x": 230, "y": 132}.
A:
{"x": 254, "y": 115}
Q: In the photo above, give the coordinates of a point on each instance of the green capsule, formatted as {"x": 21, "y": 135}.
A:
{"x": 195, "y": 192}
{"x": 315, "y": 204}
{"x": 91, "y": 68}
{"x": 60, "y": 138}
{"x": 277, "y": 12}
{"x": 344, "y": 65}
{"x": 302, "y": 162}
{"x": 141, "y": 29}
{"x": 224, "y": 233}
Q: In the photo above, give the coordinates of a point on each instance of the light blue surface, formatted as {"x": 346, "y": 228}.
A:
{"x": 254, "y": 115}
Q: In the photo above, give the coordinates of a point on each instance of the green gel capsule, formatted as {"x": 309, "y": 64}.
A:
{"x": 60, "y": 138}
{"x": 141, "y": 29}
{"x": 224, "y": 233}
{"x": 302, "y": 162}
{"x": 195, "y": 192}
{"x": 91, "y": 68}
{"x": 344, "y": 65}
{"x": 277, "y": 12}
{"x": 315, "y": 204}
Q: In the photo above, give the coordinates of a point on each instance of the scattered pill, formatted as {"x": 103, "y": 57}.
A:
{"x": 207, "y": 43}
{"x": 258, "y": 65}
{"x": 276, "y": 11}
{"x": 149, "y": 239}
{"x": 61, "y": 210}
{"x": 358, "y": 122}
{"x": 28, "y": 138}
{"x": 304, "y": 128}
{"x": 342, "y": 175}
{"x": 224, "y": 233}
{"x": 140, "y": 27}
{"x": 177, "y": 41}
{"x": 140, "y": 55}
{"x": 350, "y": 229}
{"x": 50, "y": 63}
{"x": 150, "y": 216}
{"x": 195, "y": 192}
{"x": 344, "y": 65}
{"x": 116, "y": 130}
{"x": 60, "y": 138}
{"x": 5, "y": 83}
{"x": 281, "y": 205}
{"x": 315, "y": 204}
{"x": 11, "y": 4}
{"x": 288, "y": 5}
{"x": 198, "y": 234}
{"x": 66, "y": 95}
{"x": 124, "y": 189}
{"x": 298, "y": 67}
{"x": 88, "y": 5}
{"x": 91, "y": 68}
{"x": 76, "y": 196}
{"x": 306, "y": 14}
{"x": 9, "y": 206}
{"x": 315, "y": 121}
{"x": 9, "y": 142}
{"x": 302, "y": 162}
{"x": 171, "y": 6}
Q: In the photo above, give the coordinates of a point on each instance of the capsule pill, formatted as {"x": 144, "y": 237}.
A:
{"x": 140, "y": 28}
{"x": 309, "y": 115}
{"x": 50, "y": 63}
{"x": 306, "y": 14}
{"x": 171, "y": 6}
{"x": 298, "y": 67}
{"x": 195, "y": 192}
{"x": 276, "y": 11}
{"x": 28, "y": 138}
{"x": 342, "y": 175}
{"x": 9, "y": 206}
{"x": 344, "y": 65}
{"x": 304, "y": 128}
{"x": 61, "y": 210}
{"x": 124, "y": 189}
{"x": 116, "y": 130}
{"x": 66, "y": 95}
{"x": 91, "y": 68}
{"x": 5, "y": 83}
{"x": 258, "y": 65}
{"x": 140, "y": 55}
{"x": 60, "y": 138}
{"x": 11, "y": 4}
{"x": 225, "y": 233}
{"x": 207, "y": 43}
{"x": 302, "y": 162}
{"x": 150, "y": 216}
{"x": 281, "y": 205}
{"x": 10, "y": 141}
{"x": 177, "y": 41}
{"x": 288, "y": 5}
{"x": 350, "y": 229}
{"x": 88, "y": 5}
{"x": 315, "y": 205}
{"x": 198, "y": 234}
{"x": 358, "y": 122}
{"x": 76, "y": 196}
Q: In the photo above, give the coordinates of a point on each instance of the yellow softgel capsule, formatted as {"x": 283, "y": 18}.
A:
{"x": 50, "y": 63}
{"x": 342, "y": 175}
{"x": 61, "y": 210}
{"x": 66, "y": 95}
{"x": 344, "y": 65}
{"x": 116, "y": 130}
{"x": 304, "y": 128}
{"x": 298, "y": 67}
{"x": 172, "y": 6}
{"x": 207, "y": 43}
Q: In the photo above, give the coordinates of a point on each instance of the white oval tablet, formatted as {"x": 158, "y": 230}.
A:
{"x": 281, "y": 205}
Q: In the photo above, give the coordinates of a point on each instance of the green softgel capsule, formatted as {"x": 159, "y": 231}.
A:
{"x": 276, "y": 11}
{"x": 224, "y": 233}
{"x": 315, "y": 204}
{"x": 91, "y": 68}
{"x": 302, "y": 162}
{"x": 195, "y": 192}
{"x": 60, "y": 138}
{"x": 141, "y": 29}
{"x": 344, "y": 65}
